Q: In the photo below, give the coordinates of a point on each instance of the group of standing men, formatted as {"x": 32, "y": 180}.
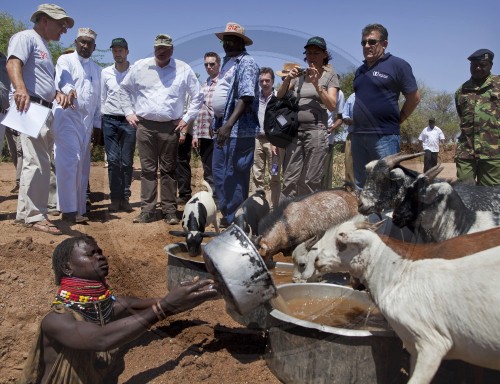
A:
{"x": 151, "y": 103}
{"x": 155, "y": 102}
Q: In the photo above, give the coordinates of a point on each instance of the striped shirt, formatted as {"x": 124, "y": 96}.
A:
{"x": 201, "y": 129}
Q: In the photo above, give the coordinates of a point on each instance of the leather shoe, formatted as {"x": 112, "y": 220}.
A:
{"x": 223, "y": 223}
{"x": 114, "y": 206}
{"x": 170, "y": 218}
{"x": 145, "y": 217}
{"x": 125, "y": 206}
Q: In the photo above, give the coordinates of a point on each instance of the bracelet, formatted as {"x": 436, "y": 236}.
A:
{"x": 161, "y": 310}
{"x": 156, "y": 312}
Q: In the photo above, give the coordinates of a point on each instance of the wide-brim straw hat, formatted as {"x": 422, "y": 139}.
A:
{"x": 287, "y": 67}
{"x": 234, "y": 29}
{"x": 54, "y": 11}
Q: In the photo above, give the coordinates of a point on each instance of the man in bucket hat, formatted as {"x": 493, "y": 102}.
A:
{"x": 80, "y": 78}
{"x": 478, "y": 150}
{"x": 235, "y": 103}
{"x": 153, "y": 95}
{"x": 31, "y": 72}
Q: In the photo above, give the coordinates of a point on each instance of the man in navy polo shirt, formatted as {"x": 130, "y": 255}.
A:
{"x": 378, "y": 84}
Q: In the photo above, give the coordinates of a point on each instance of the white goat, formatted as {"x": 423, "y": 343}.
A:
{"x": 441, "y": 309}
{"x": 305, "y": 253}
{"x": 303, "y": 257}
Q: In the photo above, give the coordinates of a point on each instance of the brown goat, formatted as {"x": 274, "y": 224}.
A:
{"x": 303, "y": 218}
{"x": 454, "y": 248}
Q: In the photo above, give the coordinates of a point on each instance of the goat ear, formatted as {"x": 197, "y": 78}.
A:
{"x": 430, "y": 195}
{"x": 396, "y": 174}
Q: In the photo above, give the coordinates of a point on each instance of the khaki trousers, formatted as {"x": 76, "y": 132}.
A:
{"x": 157, "y": 143}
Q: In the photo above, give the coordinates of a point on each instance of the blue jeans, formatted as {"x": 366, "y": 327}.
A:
{"x": 231, "y": 165}
{"x": 119, "y": 141}
{"x": 366, "y": 147}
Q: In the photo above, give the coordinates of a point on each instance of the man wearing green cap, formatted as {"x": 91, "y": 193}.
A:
{"x": 31, "y": 72}
{"x": 119, "y": 135}
{"x": 153, "y": 95}
{"x": 478, "y": 150}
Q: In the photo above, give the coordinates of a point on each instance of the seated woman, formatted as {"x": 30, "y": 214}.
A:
{"x": 77, "y": 341}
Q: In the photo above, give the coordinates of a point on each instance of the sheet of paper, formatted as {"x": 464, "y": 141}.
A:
{"x": 30, "y": 122}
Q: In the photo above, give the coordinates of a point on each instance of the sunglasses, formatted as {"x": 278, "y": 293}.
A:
{"x": 370, "y": 42}
{"x": 209, "y": 65}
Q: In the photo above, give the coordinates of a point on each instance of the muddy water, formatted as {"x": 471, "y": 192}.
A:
{"x": 185, "y": 255}
{"x": 337, "y": 312}
{"x": 280, "y": 304}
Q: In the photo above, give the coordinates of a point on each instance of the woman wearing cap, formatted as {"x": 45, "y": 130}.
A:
{"x": 317, "y": 94}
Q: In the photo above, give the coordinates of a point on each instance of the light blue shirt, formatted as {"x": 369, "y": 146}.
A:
{"x": 347, "y": 112}
{"x": 247, "y": 76}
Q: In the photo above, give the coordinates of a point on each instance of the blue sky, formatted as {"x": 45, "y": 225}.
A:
{"x": 434, "y": 36}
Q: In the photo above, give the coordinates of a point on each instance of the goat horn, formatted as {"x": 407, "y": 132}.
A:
{"x": 433, "y": 172}
{"x": 393, "y": 160}
{"x": 370, "y": 226}
{"x": 310, "y": 242}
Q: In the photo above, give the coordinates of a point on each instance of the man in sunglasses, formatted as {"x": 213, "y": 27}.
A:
{"x": 202, "y": 130}
{"x": 478, "y": 151}
{"x": 377, "y": 117}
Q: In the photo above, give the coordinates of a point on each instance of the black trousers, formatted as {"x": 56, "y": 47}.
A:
{"x": 206, "y": 147}
{"x": 184, "y": 167}
{"x": 430, "y": 159}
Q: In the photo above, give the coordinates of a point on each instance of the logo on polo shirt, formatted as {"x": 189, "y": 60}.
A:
{"x": 379, "y": 74}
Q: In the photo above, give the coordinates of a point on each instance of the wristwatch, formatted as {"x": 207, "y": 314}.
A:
{"x": 183, "y": 133}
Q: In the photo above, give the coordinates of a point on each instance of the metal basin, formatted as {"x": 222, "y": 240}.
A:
{"x": 301, "y": 351}
{"x": 182, "y": 267}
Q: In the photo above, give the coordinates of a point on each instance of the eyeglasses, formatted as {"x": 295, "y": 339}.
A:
{"x": 209, "y": 65}
{"x": 371, "y": 42}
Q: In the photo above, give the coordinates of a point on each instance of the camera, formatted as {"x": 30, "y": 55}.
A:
{"x": 303, "y": 71}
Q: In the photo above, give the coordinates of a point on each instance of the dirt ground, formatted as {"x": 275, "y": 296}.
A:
{"x": 202, "y": 345}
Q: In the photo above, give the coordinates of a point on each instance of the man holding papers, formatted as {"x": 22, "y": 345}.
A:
{"x": 31, "y": 72}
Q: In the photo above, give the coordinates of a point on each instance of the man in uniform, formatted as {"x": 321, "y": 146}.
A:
{"x": 478, "y": 150}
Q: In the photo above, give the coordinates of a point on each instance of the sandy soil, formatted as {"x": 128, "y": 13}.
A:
{"x": 202, "y": 345}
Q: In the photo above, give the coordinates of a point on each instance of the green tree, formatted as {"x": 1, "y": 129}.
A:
{"x": 8, "y": 27}
{"x": 437, "y": 104}
{"x": 347, "y": 82}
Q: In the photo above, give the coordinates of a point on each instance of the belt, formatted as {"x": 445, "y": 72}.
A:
{"x": 115, "y": 117}
{"x": 40, "y": 101}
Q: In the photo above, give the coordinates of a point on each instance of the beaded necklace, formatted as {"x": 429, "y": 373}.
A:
{"x": 92, "y": 299}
